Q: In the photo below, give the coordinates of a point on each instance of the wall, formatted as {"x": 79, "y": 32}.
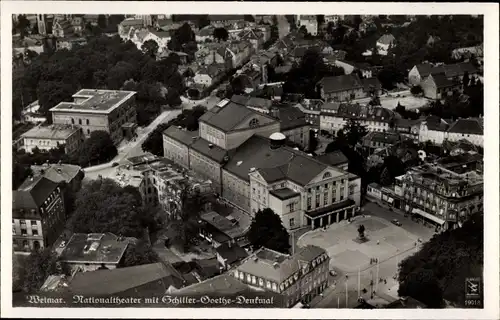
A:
{"x": 212, "y": 135}
{"x": 283, "y": 209}
{"x": 473, "y": 138}
{"x": 42, "y": 144}
{"x": 236, "y": 138}
{"x": 355, "y": 190}
{"x": 344, "y": 95}
{"x": 176, "y": 151}
{"x": 299, "y": 136}
{"x": 207, "y": 168}
{"x": 434, "y": 136}
{"x": 203, "y": 79}
{"x": 31, "y": 226}
{"x": 236, "y": 190}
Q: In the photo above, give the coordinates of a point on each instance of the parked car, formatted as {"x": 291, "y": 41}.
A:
{"x": 396, "y": 222}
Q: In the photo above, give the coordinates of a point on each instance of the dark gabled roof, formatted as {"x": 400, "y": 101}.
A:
{"x": 57, "y": 172}
{"x": 224, "y": 17}
{"x": 333, "y": 159}
{"x": 227, "y": 117}
{"x": 273, "y": 165}
{"x": 341, "y": 83}
{"x": 33, "y": 193}
{"x": 466, "y": 126}
{"x": 442, "y": 82}
{"x": 108, "y": 282}
{"x": 233, "y": 253}
{"x": 450, "y": 70}
{"x": 180, "y": 135}
{"x": 424, "y": 69}
{"x": 383, "y": 137}
{"x": 357, "y": 111}
{"x": 291, "y": 118}
{"x": 210, "y": 150}
{"x": 371, "y": 83}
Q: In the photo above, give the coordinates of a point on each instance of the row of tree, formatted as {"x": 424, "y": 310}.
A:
{"x": 187, "y": 119}
{"x": 103, "y": 63}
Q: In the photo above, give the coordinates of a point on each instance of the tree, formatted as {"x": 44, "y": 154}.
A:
{"x": 439, "y": 269}
{"x": 150, "y": 47}
{"x": 361, "y": 231}
{"x": 39, "y": 265}
{"x": 416, "y": 90}
{"x": 138, "y": 254}
{"x": 385, "y": 178}
{"x": 268, "y": 231}
{"x": 20, "y": 172}
{"x": 98, "y": 148}
{"x": 354, "y": 132}
{"x": 221, "y": 34}
{"x": 102, "y": 21}
{"x": 103, "y": 206}
{"x": 191, "y": 204}
{"x": 22, "y": 25}
{"x": 248, "y": 18}
{"x": 313, "y": 141}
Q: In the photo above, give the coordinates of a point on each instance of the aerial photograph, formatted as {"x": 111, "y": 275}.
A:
{"x": 253, "y": 161}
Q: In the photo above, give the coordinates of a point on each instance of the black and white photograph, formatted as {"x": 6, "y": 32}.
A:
{"x": 257, "y": 161}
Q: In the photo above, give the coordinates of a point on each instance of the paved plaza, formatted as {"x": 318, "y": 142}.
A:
{"x": 350, "y": 256}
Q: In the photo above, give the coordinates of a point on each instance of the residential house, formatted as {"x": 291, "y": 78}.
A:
{"x": 348, "y": 87}
{"x": 205, "y": 34}
{"x": 219, "y": 230}
{"x": 53, "y": 136}
{"x": 90, "y": 252}
{"x": 379, "y": 140}
{"x": 451, "y": 71}
{"x": 229, "y": 255}
{"x": 240, "y": 52}
{"x": 125, "y": 25}
{"x": 437, "y": 132}
{"x": 91, "y": 18}
{"x": 365, "y": 69}
{"x": 312, "y": 109}
{"x": 209, "y": 75}
{"x": 78, "y": 23}
{"x": 63, "y": 29}
{"x": 38, "y": 214}
{"x": 69, "y": 174}
{"x": 298, "y": 278}
{"x": 160, "y": 37}
{"x": 437, "y": 86}
{"x": 334, "y": 116}
{"x": 467, "y": 53}
{"x": 407, "y": 128}
{"x": 254, "y": 36}
{"x": 220, "y": 20}
{"x": 293, "y": 125}
{"x": 384, "y": 43}
{"x": 310, "y": 22}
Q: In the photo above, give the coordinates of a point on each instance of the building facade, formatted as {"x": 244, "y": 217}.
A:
{"x": 298, "y": 278}
{"x": 38, "y": 214}
{"x": 112, "y": 111}
{"x": 53, "y": 136}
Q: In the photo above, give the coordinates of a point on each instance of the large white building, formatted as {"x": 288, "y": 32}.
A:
{"x": 437, "y": 132}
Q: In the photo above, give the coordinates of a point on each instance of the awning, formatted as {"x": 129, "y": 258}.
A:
{"x": 428, "y": 216}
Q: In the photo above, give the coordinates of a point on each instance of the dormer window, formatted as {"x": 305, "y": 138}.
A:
{"x": 254, "y": 123}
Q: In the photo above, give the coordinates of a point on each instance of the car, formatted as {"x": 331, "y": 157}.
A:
{"x": 396, "y": 222}
{"x": 333, "y": 273}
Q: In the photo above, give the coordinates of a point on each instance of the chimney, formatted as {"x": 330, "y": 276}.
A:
{"x": 210, "y": 145}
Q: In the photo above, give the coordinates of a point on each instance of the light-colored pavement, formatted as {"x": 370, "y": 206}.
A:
{"x": 391, "y": 100}
{"x": 130, "y": 148}
{"x": 353, "y": 259}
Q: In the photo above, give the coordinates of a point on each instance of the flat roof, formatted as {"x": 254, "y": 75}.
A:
{"x": 54, "y": 132}
{"x": 96, "y": 101}
{"x": 94, "y": 248}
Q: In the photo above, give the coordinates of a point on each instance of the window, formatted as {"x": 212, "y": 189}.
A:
{"x": 325, "y": 198}
{"x": 34, "y": 232}
{"x": 334, "y": 195}
{"x": 291, "y": 205}
{"x": 326, "y": 185}
{"x": 275, "y": 287}
{"x": 249, "y": 278}
{"x": 23, "y": 222}
{"x": 88, "y": 122}
{"x": 308, "y": 203}
{"x": 24, "y": 232}
{"x": 254, "y": 280}
{"x": 254, "y": 123}
{"x": 317, "y": 200}
{"x": 72, "y": 121}
{"x": 292, "y": 224}
{"x": 33, "y": 222}
{"x": 317, "y": 188}
{"x": 261, "y": 282}
{"x": 80, "y": 121}
{"x": 88, "y": 131}
{"x": 13, "y": 230}
{"x": 268, "y": 284}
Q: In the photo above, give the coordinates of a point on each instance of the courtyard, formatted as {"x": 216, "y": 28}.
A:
{"x": 385, "y": 240}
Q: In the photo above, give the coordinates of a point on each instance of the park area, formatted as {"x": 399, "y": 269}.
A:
{"x": 385, "y": 240}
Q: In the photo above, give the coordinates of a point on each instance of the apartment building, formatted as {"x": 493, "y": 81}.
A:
{"x": 92, "y": 110}
{"x": 51, "y": 137}
{"x": 297, "y": 278}
{"x": 38, "y": 214}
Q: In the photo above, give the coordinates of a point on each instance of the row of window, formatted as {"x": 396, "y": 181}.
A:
{"x": 24, "y": 231}
{"x": 326, "y": 186}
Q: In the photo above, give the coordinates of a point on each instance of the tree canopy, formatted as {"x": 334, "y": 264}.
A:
{"x": 103, "y": 63}
{"x": 353, "y": 132}
{"x": 188, "y": 119}
{"x": 150, "y": 47}
{"x": 98, "y": 148}
{"x": 268, "y": 231}
{"x": 38, "y": 266}
{"x": 221, "y": 34}
{"x": 138, "y": 254}
{"x": 438, "y": 271}
{"x": 103, "y": 206}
